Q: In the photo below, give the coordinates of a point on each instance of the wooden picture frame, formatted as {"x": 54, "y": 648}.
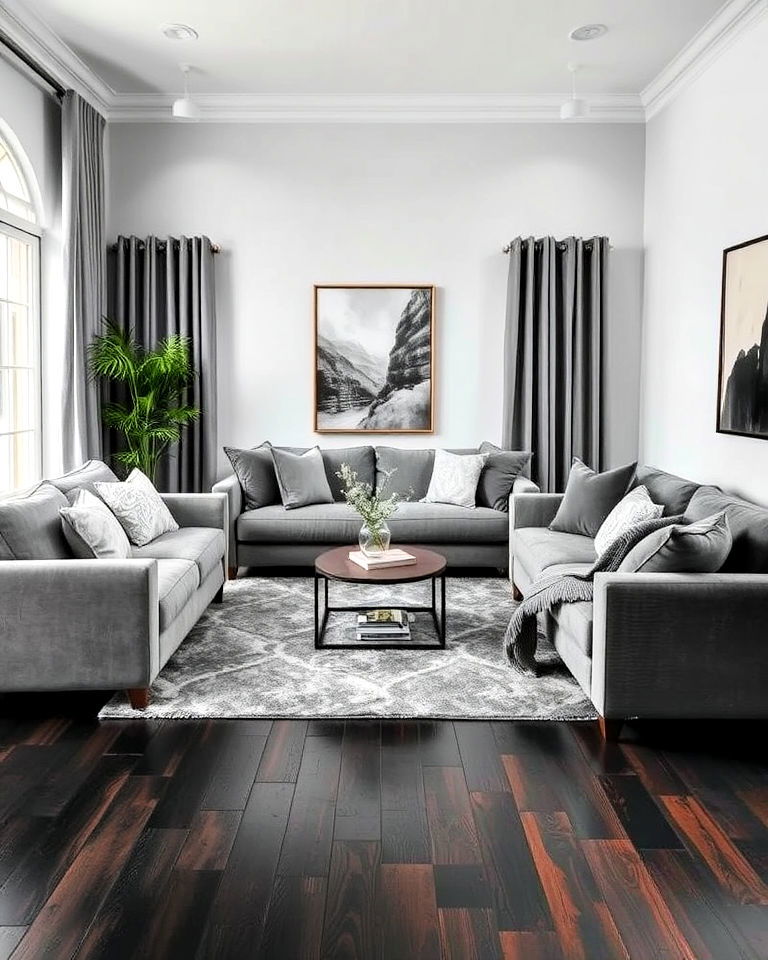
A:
{"x": 374, "y": 358}
{"x": 742, "y": 383}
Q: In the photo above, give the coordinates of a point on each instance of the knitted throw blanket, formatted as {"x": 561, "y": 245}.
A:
{"x": 547, "y": 591}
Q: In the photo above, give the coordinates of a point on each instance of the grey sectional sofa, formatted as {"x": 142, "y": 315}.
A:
{"x": 68, "y": 624}
{"x": 274, "y": 536}
{"x": 659, "y": 645}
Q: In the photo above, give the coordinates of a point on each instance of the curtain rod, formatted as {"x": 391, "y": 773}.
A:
{"x": 559, "y": 243}
{"x": 215, "y": 247}
{"x": 31, "y": 64}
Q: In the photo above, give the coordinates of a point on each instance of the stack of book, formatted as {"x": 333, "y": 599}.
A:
{"x": 388, "y": 558}
{"x": 384, "y": 625}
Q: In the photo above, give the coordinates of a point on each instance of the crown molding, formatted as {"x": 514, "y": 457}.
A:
{"x": 39, "y": 42}
{"x": 713, "y": 38}
{"x": 247, "y": 108}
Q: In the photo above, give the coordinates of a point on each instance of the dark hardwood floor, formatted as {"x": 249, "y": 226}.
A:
{"x": 396, "y": 840}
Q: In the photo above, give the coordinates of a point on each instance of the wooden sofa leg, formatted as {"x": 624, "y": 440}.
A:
{"x": 516, "y": 595}
{"x": 139, "y": 697}
{"x": 231, "y": 573}
{"x": 219, "y": 595}
{"x": 610, "y": 730}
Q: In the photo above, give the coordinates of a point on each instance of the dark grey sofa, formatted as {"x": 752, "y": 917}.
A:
{"x": 274, "y": 536}
{"x": 658, "y": 645}
{"x": 70, "y": 624}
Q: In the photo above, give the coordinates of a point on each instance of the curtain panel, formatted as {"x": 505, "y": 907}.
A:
{"x": 84, "y": 274}
{"x": 556, "y": 306}
{"x": 158, "y": 287}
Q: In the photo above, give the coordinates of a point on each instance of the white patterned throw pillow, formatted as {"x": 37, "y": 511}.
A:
{"x": 139, "y": 508}
{"x": 635, "y": 507}
{"x": 455, "y": 478}
{"x": 92, "y": 531}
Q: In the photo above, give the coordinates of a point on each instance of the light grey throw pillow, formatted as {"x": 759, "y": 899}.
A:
{"x": 455, "y": 478}
{"x": 139, "y": 508}
{"x": 700, "y": 547}
{"x": 590, "y": 497}
{"x": 30, "y": 527}
{"x": 635, "y": 507}
{"x": 256, "y": 472}
{"x": 92, "y": 530}
{"x": 301, "y": 478}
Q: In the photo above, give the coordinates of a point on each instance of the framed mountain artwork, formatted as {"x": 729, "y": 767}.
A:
{"x": 374, "y": 358}
{"x": 742, "y": 406}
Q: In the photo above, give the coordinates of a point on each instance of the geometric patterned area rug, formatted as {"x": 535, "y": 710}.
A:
{"x": 254, "y": 656}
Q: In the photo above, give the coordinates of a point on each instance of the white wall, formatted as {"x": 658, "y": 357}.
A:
{"x": 34, "y": 117}
{"x": 297, "y": 205}
{"x": 706, "y": 189}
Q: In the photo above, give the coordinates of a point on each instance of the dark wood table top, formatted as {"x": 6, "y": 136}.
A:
{"x": 337, "y": 565}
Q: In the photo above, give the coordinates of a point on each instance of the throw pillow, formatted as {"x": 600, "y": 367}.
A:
{"x": 92, "y": 530}
{"x": 139, "y": 508}
{"x": 700, "y": 547}
{"x": 502, "y": 468}
{"x": 301, "y": 478}
{"x": 748, "y": 523}
{"x": 30, "y": 528}
{"x": 673, "y": 492}
{"x": 405, "y": 472}
{"x": 633, "y": 508}
{"x": 590, "y": 497}
{"x": 255, "y": 470}
{"x": 455, "y": 478}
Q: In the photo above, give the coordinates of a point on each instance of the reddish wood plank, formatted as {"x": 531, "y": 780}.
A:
{"x": 449, "y": 814}
{"x": 294, "y": 923}
{"x": 468, "y": 934}
{"x": 727, "y": 865}
{"x": 409, "y": 924}
{"x": 282, "y": 754}
{"x": 210, "y": 840}
{"x": 350, "y": 931}
{"x": 656, "y": 773}
{"x": 645, "y": 923}
{"x": 525, "y": 945}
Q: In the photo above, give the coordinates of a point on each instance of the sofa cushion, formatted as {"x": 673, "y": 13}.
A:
{"x": 138, "y": 506}
{"x": 177, "y": 581}
{"x": 673, "y": 492}
{"x": 748, "y": 524}
{"x": 203, "y": 545}
{"x": 576, "y": 619}
{"x": 589, "y": 497}
{"x": 30, "y": 525}
{"x": 412, "y": 469}
{"x": 83, "y": 478}
{"x": 361, "y": 459}
{"x": 699, "y": 547}
{"x": 255, "y": 472}
{"x": 337, "y": 523}
{"x": 455, "y": 478}
{"x": 502, "y": 468}
{"x": 301, "y": 478}
{"x": 92, "y": 530}
{"x": 538, "y": 548}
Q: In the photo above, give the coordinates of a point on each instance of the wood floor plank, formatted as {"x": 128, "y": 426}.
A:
{"x": 234, "y": 773}
{"x": 645, "y": 923}
{"x": 603, "y": 756}
{"x": 452, "y": 832}
{"x": 133, "y": 736}
{"x": 236, "y": 921}
{"x": 408, "y": 912}
{"x": 209, "y": 840}
{"x": 404, "y": 828}
{"x": 294, "y": 923}
{"x": 282, "y": 753}
{"x": 468, "y": 934}
{"x": 437, "y": 744}
{"x": 167, "y": 747}
{"x": 518, "y": 895}
{"x": 462, "y": 886}
{"x": 533, "y": 783}
{"x": 524, "y": 945}
{"x": 9, "y": 939}
{"x": 350, "y": 930}
{"x": 642, "y": 819}
{"x": 480, "y": 757}
{"x": 657, "y": 775}
{"x": 177, "y": 929}
{"x": 581, "y": 918}
{"x": 726, "y": 864}
{"x": 59, "y": 928}
{"x": 358, "y": 803}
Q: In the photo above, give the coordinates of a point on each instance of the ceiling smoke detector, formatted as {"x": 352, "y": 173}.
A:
{"x": 178, "y": 31}
{"x": 576, "y": 108}
{"x": 590, "y": 31}
{"x": 185, "y": 107}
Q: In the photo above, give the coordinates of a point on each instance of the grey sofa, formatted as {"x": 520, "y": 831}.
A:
{"x": 70, "y": 624}
{"x": 658, "y": 645}
{"x": 274, "y": 536}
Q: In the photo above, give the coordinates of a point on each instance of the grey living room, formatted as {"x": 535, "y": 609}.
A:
{"x": 383, "y": 513}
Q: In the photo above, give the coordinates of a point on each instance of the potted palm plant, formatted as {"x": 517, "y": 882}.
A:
{"x": 152, "y": 414}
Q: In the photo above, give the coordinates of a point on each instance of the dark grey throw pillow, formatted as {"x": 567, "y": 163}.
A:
{"x": 700, "y": 547}
{"x": 748, "y": 523}
{"x": 361, "y": 459}
{"x": 502, "y": 468}
{"x": 255, "y": 470}
{"x": 674, "y": 493}
{"x": 301, "y": 478}
{"x": 405, "y": 472}
{"x": 30, "y": 526}
{"x": 590, "y": 497}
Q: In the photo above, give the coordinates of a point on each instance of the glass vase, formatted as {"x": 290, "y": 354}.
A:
{"x": 374, "y": 542}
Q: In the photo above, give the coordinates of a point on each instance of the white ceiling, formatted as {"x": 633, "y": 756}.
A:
{"x": 376, "y": 47}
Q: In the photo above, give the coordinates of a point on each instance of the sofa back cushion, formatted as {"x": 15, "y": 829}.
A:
{"x": 674, "y": 493}
{"x": 700, "y": 547}
{"x": 83, "y": 478}
{"x": 361, "y": 459}
{"x": 748, "y": 524}
{"x": 413, "y": 470}
{"x": 30, "y": 526}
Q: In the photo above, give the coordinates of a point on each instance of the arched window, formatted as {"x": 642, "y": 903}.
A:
{"x": 20, "y": 387}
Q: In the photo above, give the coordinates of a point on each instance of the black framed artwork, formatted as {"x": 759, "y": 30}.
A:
{"x": 742, "y": 395}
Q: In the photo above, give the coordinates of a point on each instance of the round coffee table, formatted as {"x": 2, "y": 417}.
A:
{"x": 336, "y": 565}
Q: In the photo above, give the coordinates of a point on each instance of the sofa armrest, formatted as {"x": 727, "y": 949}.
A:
{"x": 230, "y": 486}
{"x": 532, "y": 509}
{"x": 78, "y": 624}
{"x": 201, "y": 510}
{"x": 524, "y": 485}
{"x": 680, "y": 645}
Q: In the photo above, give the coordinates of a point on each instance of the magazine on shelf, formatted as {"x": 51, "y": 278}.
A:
{"x": 393, "y": 557}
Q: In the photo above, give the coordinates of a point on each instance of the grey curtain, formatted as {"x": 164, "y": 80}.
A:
{"x": 163, "y": 287}
{"x": 84, "y": 273}
{"x": 556, "y": 304}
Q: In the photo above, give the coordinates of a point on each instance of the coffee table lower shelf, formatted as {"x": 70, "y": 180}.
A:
{"x": 324, "y": 610}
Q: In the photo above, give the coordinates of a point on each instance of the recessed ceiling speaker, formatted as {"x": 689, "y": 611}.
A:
{"x": 178, "y": 31}
{"x": 590, "y": 31}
